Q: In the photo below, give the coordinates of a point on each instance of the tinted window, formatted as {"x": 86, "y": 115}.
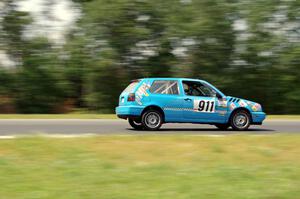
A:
{"x": 164, "y": 87}
{"x": 198, "y": 89}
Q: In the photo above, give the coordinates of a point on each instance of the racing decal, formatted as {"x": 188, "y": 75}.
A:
{"x": 232, "y": 106}
{"x": 249, "y": 103}
{"x": 256, "y": 107}
{"x": 242, "y": 103}
{"x": 141, "y": 92}
{"x": 177, "y": 109}
{"x": 206, "y": 106}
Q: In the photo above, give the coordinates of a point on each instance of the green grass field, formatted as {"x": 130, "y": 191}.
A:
{"x": 106, "y": 116}
{"x": 151, "y": 166}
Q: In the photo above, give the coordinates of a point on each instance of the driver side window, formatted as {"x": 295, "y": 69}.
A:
{"x": 193, "y": 88}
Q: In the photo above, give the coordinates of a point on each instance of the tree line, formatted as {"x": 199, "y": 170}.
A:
{"x": 248, "y": 49}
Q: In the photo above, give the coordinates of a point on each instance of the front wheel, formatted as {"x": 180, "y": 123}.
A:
{"x": 240, "y": 120}
{"x": 135, "y": 125}
{"x": 152, "y": 120}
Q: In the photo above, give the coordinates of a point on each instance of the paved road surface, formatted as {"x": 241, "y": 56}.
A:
{"x": 77, "y": 126}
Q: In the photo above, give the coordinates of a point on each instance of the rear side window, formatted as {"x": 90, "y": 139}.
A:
{"x": 130, "y": 87}
{"x": 164, "y": 87}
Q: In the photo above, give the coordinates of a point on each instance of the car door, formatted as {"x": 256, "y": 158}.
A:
{"x": 166, "y": 94}
{"x": 200, "y": 104}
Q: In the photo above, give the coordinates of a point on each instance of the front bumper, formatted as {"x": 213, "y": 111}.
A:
{"x": 258, "y": 117}
{"x": 125, "y": 112}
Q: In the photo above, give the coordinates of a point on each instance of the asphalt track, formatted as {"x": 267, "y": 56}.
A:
{"x": 94, "y": 126}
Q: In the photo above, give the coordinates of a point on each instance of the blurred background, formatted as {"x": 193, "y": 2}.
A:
{"x": 57, "y": 56}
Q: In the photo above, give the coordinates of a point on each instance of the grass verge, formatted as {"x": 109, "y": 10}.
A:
{"x": 283, "y": 117}
{"x": 153, "y": 166}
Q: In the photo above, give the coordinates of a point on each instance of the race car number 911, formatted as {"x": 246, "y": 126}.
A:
{"x": 207, "y": 106}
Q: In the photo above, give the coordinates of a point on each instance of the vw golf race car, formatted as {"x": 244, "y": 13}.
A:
{"x": 150, "y": 102}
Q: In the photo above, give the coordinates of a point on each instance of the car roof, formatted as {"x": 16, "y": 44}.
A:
{"x": 181, "y": 79}
{"x": 171, "y": 78}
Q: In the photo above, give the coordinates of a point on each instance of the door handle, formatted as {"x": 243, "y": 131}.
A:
{"x": 188, "y": 99}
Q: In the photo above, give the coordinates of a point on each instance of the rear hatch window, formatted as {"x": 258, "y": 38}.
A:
{"x": 128, "y": 91}
{"x": 130, "y": 88}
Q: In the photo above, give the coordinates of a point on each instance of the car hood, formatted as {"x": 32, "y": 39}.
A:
{"x": 235, "y": 102}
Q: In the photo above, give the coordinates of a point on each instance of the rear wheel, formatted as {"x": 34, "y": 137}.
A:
{"x": 134, "y": 124}
{"x": 240, "y": 120}
{"x": 222, "y": 126}
{"x": 152, "y": 120}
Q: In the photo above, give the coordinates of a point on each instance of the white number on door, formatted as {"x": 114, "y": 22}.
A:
{"x": 207, "y": 106}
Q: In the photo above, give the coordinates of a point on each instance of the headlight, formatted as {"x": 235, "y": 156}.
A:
{"x": 256, "y": 107}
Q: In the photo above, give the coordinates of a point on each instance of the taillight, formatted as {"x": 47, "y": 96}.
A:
{"x": 131, "y": 97}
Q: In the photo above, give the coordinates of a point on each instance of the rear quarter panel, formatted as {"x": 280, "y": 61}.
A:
{"x": 145, "y": 98}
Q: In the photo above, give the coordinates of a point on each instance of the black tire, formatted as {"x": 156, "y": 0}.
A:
{"x": 240, "y": 120}
{"x": 222, "y": 126}
{"x": 134, "y": 124}
{"x": 152, "y": 120}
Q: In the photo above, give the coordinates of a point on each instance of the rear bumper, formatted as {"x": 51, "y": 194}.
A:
{"x": 125, "y": 112}
{"x": 258, "y": 117}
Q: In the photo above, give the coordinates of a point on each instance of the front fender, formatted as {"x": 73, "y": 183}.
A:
{"x": 234, "y": 104}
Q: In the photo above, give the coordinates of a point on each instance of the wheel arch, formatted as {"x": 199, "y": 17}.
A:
{"x": 154, "y": 107}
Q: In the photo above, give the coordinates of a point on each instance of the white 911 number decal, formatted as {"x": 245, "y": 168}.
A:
{"x": 207, "y": 106}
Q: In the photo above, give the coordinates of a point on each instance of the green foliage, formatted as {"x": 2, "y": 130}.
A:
{"x": 40, "y": 83}
{"x": 248, "y": 49}
{"x": 13, "y": 24}
{"x": 5, "y": 82}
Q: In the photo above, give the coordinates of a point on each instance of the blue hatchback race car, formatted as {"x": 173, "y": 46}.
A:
{"x": 150, "y": 102}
